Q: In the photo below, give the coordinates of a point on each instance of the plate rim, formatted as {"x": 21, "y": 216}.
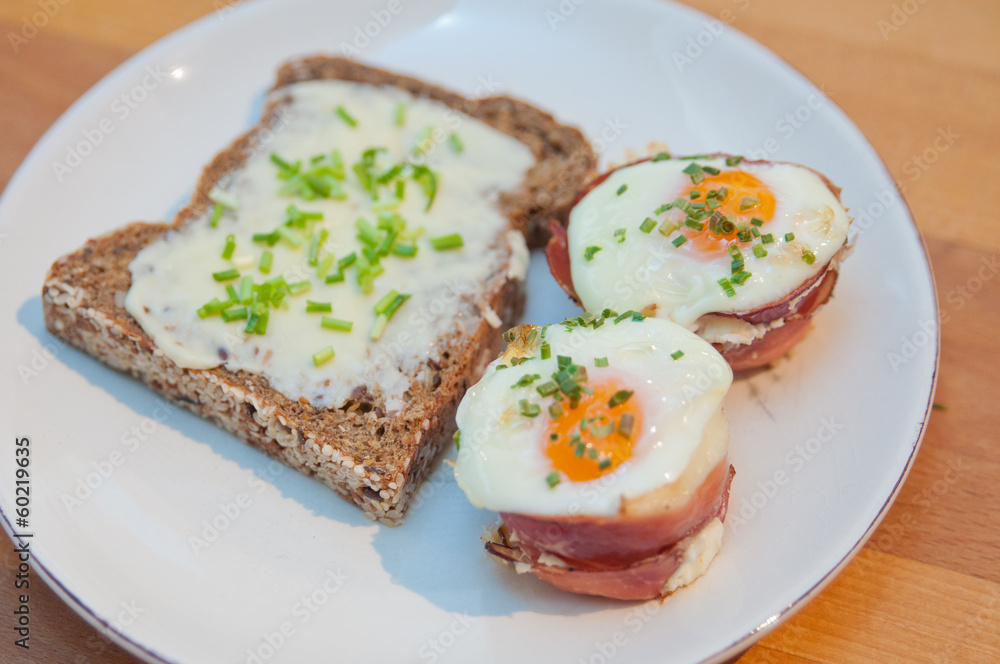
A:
{"x": 736, "y": 647}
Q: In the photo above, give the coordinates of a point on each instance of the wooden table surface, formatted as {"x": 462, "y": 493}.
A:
{"x": 922, "y": 81}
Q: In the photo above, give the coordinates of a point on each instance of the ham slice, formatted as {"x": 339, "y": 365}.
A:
{"x": 636, "y": 571}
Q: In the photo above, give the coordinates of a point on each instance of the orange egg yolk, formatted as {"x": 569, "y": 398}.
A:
{"x": 594, "y": 438}
{"x": 739, "y": 194}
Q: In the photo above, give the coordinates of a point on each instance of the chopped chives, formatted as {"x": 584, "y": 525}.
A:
{"x": 347, "y": 260}
{"x": 604, "y": 430}
{"x": 647, "y": 225}
{"x": 620, "y": 397}
{"x": 366, "y": 282}
{"x": 315, "y": 242}
{"x": 748, "y": 202}
{"x": 661, "y": 156}
{"x": 789, "y": 237}
{"x": 756, "y": 222}
{"x": 546, "y": 350}
{"x": 366, "y": 232}
{"x": 604, "y": 464}
{"x": 346, "y": 117}
{"x": 261, "y": 326}
{"x": 315, "y": 307}
{"x": 767, "y": 238}
{"x": 529, "y": 409}
{"x": 552, "y": 479}
{"x": 555, "y": 412}
{"x": 223, "y": 198}
{"x": 213, "y": 307}
{"x": 600, "y": 361}
{"x": 226, "y": 275}
{"x": 548, "y": 388}
{"x": 280, "y": 163}
{"x": 246, "y": 290}
{"x": 679, "y": 240}
{"x": 696, "y": 172}
{"x": 525, "y": 380}
{"x": 427, "y": 180}
{"x": 266, "y": 259}
{"x": 229, "y": 315}
{"x": 400, "y": 116}
{"x": 733, "y": 161}
{"x": 759, "y": 251}
{"x": 621, "y": 190}
{"x": 663, "y": 208}
{"x": 334, "y": 277}
{"x": 270, "y": 238}
{"x": 396, "y": 304}
{"x": 299, "y": 287}
{"x": 385, "y": 309}
{"x": 740, "y": 277}
{"x": 405, "y": 250}
{"x": 620, "y": 234}
{"x": 808, "y": 257}
{"x": 589, "y": 252}
{"x": 233, "y": 295}
{"x": 677, "y": 354}
{"x": 230, "y": 247}
{"x": 285, "y": 233}
{"x": 625, "y": 425}
{"x": 727, "y": 287}
{"x": 386, "y": 300}
{"x": 667, "y": 227}
{"x": 336, "y": 324}
{"x": 696, "y": 225}
{"x": 324, "y": 266}
{"x": 446, "y": 242}
{"x": 323, "y": 356}
{"x": 216, "y": 215}
{"x": 455, "y": 142}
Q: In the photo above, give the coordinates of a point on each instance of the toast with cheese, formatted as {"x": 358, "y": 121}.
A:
{"x": 374, "y": 213}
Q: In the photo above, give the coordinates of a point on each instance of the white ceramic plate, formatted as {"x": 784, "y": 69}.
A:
{"x": 290, "y": 573}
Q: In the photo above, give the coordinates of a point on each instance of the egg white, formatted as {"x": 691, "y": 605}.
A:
{"x": 647, "y": 269}
{"x": 502, "y": 465}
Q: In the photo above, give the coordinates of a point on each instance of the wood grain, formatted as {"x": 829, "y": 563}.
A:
{"x": 924, "y": 86}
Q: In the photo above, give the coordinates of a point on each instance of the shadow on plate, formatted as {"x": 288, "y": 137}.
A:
{"x": 435, "y": 553}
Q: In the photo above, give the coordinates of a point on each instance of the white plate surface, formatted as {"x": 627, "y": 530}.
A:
{"x": 289, "y": 572}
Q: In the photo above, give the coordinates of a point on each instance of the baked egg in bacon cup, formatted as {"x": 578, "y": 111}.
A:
{"x": 741, "y": 252}
{"x": 602, "y": 443}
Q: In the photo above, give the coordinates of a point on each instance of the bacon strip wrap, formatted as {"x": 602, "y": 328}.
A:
{"x": 636, "y": 571}
{"x": 796, "y": 308}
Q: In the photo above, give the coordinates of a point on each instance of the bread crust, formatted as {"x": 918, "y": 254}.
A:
{"x": 373, "y": 458}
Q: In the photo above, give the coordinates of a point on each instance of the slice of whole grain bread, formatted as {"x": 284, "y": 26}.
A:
{"x": 373, "y": 458}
